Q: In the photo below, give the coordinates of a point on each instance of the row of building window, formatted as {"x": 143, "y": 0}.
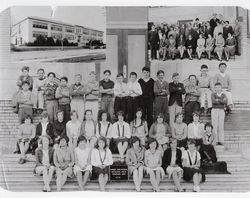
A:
{"x": 41, "y": 26}
{"x": 36, "y": 34}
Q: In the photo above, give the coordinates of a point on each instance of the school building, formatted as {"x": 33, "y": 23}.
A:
{"x": 29, "y": 28}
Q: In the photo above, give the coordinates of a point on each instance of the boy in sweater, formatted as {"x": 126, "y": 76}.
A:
{"x": 25, "y": 101}
{"x": 226, "y": 84}
{"x": 77, "y": 92}
{"x": 62, "y": 94}
{"x": 219, "y": 100}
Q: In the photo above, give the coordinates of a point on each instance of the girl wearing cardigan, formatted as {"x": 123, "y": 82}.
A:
{"x": 135, "y": 161}
{"x": 88, "y": 128}
{"x": 171, "y": 163}
{"x": 44, "y": 162}
{"x": 101, "y": 160}
{"x": 160, "y": 130}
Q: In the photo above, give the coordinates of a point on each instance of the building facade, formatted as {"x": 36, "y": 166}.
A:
{"x": 28, "y": 29}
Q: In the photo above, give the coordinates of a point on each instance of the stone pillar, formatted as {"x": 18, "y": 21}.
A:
{"x": 126, "y": 39}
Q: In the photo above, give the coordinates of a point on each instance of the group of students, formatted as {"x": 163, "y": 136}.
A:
{"x": 216, "y": 36}
{"x": 74, "y": 125}
{"x": 70, "y": 150}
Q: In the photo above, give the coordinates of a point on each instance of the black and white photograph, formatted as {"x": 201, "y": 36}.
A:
{"x": 125, "y": 99}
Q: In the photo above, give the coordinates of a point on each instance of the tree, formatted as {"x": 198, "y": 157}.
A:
{"x": 50, "y": 41}
{"x": 58, "y": 42}
{"x": 40, "y": 41}
{"x": 65, "y": 42}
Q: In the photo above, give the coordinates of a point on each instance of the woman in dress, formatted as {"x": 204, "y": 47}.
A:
{"x": 139, "y": 127}
{"x": 101, "y": 160}
{"x": 73, "y": 129}
{"x": 161, "y": 131}
{"x": 44, "y": 162}
{"x": 171, "y": 47}
{"x": 88, "y": 128}
{"x": 209, "y": 162}
{"x": 82, "y": 162}
{"x": 200, "y": 46}
{"x": 230, "y": 46}
{"x": 64, "y": 161}
{"x": 190, "y": 46}
{"x": 219, "y": 46}
{"x": 181, "y": 43}
{"x": 209, "y": 45}
{"x": 121, "y": 134}
{"x": 171, "y": 163}
{"x": 135, "y": 161}
{"x": 104, "y": 126}
{"x": 59, "y": 128}
{"x": 26, "y": 133}
{"x": 179, "y": 131}
{"x": 153, "y": 162}
{"x": 191, "y": 161}
{"x": 163, "y": 47}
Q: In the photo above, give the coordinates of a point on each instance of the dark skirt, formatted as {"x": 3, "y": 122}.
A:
{"x": 96, "y": 171}
{"x": 189, "y": 173}
{"x": 198, "y": 142}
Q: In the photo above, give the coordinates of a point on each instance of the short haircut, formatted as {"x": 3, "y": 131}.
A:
{"x": 226, "y": 21}
{"x": 197, "y": 19}
{"x": 92, "y": 72}
{"x": 177, "y": 115}
{"x": 41, "y": 69}
{"x": 196, "y": 113}
{"x": 191, "y": 141}
{"x": 151, "y": 140}
{"x": 222, "y": 64}
{"x": 192, "y": 75}
{"x": 120, "y": 113}
{"x": 26, "y": 82}
{"x": 119, "y": 75}
{"x": 48, "y": 138}
{"x": 101, "y": 112}
{"x": 175, "y": 74}
{"x": 107, "y": 71}
{"x": 217, "y": 84}
{"x": 65, "y": 138}
{"x": 101, "y": 139}
{"x": 44, "y": 114}
{"x": 54, "y": 75}
{"x": 160, "y": 72}
{"x": 59, "y": 111}
{"x": 81, "y": 138}
{"x": 72, "y": 112}
{"x": 27, "y": 117}
{"x": 146, "y": 69}
{"x": 64, "y": 78}
{"x": 133, "y": 74}
{"x": 139, "y": 109}
{"x": 204, "y": 66}
{"x": 25, "y": 68}
{"x": 171, "y": 140}
{"x": 208, "y": 124}
{"x": 133, "y": 140}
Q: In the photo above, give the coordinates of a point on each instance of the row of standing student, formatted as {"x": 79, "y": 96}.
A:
{"x": 151, "y": 96}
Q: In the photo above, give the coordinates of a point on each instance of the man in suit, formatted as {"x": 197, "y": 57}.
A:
{"x": 176, "y": 90}
{"x": 237, "y": 35}
{"x": 227, "y": 29}
{"x": 154, "y": 40}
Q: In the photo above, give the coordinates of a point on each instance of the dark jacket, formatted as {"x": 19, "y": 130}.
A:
{"x": 153, "y": 37}
{"x": 167, "y": 156}
{"x": 49, "y": 130}
{"x": 176, "y": 91}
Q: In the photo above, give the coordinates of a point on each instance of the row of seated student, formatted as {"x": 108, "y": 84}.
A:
{"x": 83, "y": 154}
{"x": 215, "y": 31}
{"x": 152, "y": 96}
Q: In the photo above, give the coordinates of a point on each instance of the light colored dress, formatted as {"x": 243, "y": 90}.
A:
{"x": 210, "y": 44}
{"x": 83, "y": 158}
{"x": 73, "y": 129}
{"x": 200, "y": 45}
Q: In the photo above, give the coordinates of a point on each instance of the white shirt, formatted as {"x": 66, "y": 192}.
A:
{"x": 192, "y": 157}
{"x": 120, "y": 89}
{"x": 89, "y": 129}
{"x": 73, "y": 128}
{"x": 82, "y": 156}
{"x": 222, "y": 74}
{"x": 134, "y": 89}
{"x": 44, "y": 127}
{"x": 45, "y": 160}
{"x": 123, "y": 128}
{"x": 101, "y": 158}
{"x": 195, "y": 131}
{"x": 104, "y": 129}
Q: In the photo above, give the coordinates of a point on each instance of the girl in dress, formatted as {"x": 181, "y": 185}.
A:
{"x": 59, "y": 128}
{"x": 139, "y": 127}
{"x": 171, "y": 163}
{"x": 26, "y": 133}
{"x": 200, "y": 46}
{"x": 73, "y": 129}
{"x": 44, "y": 162}
{"x": 121, "y": 134}
{"x": 88, "y": 128}
{"x": 190, "y": 46}
{"x": 101, "y": 160}
{"x": 171, "y": 47}
{"x": 219, "y": 46}
{"x": 230, "y": 46}
{"x": 181, "y": 43}
{"x": 82, "y": 162}
{"x": 104, "y": 126}
{"x": 161, "y": 131}
{"x": 64, "y": 161}
{"x": 209, "y": 45}
{"x": 191, "y": 161}
{"x": 179, "y": 131}
{"x": 153, "y": 162}
{"x": 135, "y": 161}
